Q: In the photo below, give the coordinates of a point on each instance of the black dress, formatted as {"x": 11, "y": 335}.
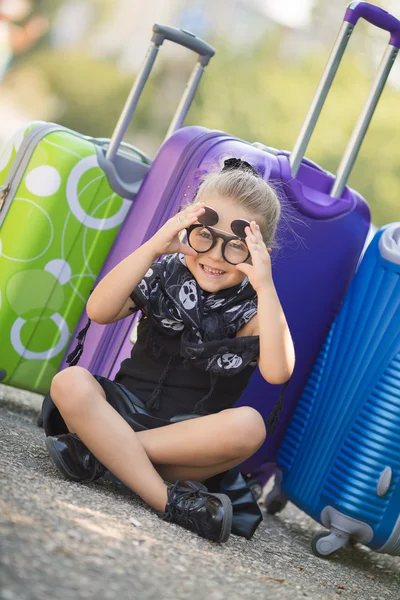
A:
{"x": 169, "y": 385}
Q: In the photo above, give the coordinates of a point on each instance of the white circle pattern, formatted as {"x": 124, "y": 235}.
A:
{"x": 43, "y": 181}
{"x": 46, "y": 354}
{"x": 90, "y": 162}
{"x": 60, "y": 269}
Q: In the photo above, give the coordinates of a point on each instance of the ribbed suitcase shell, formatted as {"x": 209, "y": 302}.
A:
{"x": 346, "y": 429}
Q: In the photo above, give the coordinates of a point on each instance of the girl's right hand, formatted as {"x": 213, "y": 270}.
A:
{"x": 166, "y": 240}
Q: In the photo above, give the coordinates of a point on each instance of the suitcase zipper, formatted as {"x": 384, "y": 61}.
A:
{"x": 20, "y": 164}
{"x": 4, "y": 189}
{"x": 25, "y": 151}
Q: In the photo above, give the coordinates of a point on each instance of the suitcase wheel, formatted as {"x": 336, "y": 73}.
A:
{"x": 324, "y": 543}
{"x": 274, "y": 503}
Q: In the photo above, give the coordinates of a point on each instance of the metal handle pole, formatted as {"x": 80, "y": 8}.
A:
{"x": 320, "y": 97}
{"x": 353, "y": 147}
{"x": 131, "y": 103}
{"x": 186, "y": 99}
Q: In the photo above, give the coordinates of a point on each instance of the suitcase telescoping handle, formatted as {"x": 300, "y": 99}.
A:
{"x": 183, "y": 38}
{"x": 384, "y": 20}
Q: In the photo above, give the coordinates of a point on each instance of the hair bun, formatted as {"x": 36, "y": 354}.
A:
{"x": 231, "y": 164}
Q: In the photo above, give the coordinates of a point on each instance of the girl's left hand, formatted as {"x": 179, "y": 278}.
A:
{"x": 259, "y": 272}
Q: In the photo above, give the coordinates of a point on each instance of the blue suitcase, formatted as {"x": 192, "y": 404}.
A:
{"x": 340, "y": 459}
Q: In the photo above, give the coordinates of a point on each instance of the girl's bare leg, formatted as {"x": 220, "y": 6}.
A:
{"x": 81, "y": 401}
{"x": 229, "y": 436}
{"x": 194, "y": 449}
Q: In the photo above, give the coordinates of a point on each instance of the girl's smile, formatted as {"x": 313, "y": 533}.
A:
{"x": 211, "y": 271}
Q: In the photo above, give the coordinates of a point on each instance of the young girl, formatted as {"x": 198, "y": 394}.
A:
{"x": 210, "y": 314}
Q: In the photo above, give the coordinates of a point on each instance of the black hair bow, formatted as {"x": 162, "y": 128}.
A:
{"x": 231, "y": 164}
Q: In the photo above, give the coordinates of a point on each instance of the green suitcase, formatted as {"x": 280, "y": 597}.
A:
{"x": 58, "y": 218}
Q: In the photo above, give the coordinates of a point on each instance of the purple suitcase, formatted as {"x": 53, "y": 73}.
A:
{"x": 311, "y": 274}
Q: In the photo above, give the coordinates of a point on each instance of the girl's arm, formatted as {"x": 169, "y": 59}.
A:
{"x": 277, "y": 358}
{"x": 110, "y": 300}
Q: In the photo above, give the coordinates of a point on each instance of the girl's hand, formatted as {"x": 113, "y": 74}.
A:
{"x": 259, "y": 272}
{"x": 166, "y": 240}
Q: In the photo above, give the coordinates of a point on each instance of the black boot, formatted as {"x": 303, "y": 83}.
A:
{"x": 73, "y": 459}
{"x": 191, "y": 506}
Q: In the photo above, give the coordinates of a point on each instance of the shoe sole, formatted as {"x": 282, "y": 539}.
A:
{"x": 61, "y": 466}
{"x": 228, "y": 515}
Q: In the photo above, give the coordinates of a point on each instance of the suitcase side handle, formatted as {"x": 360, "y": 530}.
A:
{"x": 323, "y": 88}
{"x": 376, "y": 16}
{"x": 129, "y": 149}
{"x": 183, "y": 38}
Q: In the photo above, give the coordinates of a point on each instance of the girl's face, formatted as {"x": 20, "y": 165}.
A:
{"x": 210, "y": 269}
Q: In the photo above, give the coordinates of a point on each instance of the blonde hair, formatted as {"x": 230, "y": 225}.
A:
{"x": 251, "y": 192}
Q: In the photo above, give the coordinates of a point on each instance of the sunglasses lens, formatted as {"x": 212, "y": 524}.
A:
{"x": 200, "y": 239}
{"x": 209, "y": 218}
{"x": 236, "y": 251}
{"x": 238, "y": 226}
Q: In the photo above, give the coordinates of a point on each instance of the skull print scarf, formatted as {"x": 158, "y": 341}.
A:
{"x": 207, "y": 323}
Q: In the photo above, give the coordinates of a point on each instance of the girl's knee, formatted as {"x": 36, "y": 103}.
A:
{"x": 70, "y": 386}
{"x": 248, "y": 429}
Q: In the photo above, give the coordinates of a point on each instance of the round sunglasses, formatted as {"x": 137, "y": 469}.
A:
{"x": 204, "y": 237}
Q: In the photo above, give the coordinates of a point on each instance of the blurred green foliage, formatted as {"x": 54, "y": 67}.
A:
{"x": 258, "y": 95}
{"x": 90, "y": 93}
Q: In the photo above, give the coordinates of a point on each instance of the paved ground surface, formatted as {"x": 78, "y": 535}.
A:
{"x": 69, "y": 541}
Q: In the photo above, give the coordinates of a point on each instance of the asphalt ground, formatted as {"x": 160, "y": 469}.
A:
{"x": 65, "y": 540}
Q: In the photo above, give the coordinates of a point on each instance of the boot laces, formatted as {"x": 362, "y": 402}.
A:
{"x": 98, "y": 469}
{"x": 188, "y": 496}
